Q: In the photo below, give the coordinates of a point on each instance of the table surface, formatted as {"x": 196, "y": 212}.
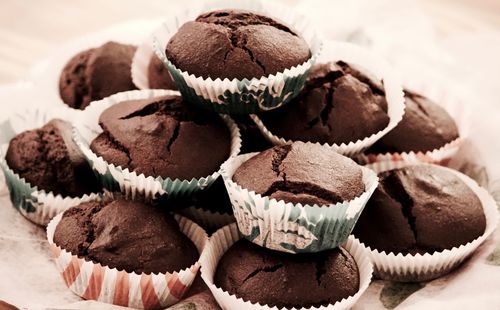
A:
{"x": 32, "y": 30}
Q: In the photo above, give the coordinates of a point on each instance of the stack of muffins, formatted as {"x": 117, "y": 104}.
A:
{"x": 292, "y": 158}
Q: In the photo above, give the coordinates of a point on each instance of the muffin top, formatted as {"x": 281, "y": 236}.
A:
{"x": 302, "y": 173}
{"x": 96, "y": 73}
{"x": 425, "y": 126}
{"x": 273, "y": 278}
{"x": 126, "y": 235}
{"x": 419, "y": 209}
{"x": 48, "y": 158}
{"x": 235, "y": 44}
{"x": 158, "y": 75}
{"x": 163, "y": 137}
{"x": 338, "y": 104}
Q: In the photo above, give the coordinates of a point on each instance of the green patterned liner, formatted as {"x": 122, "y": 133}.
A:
{"x": 36, "y": 205}
{"x": 416, "y": 268}
{"x": 354, "y": 55}
{"x": 241, "y": 96}
{"x": 225, "y": 237}
{"x": 291, "y": 227}
{"x": 128, "y": 182}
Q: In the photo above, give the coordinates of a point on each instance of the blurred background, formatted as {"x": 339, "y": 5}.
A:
{"x": 31, "y": 30}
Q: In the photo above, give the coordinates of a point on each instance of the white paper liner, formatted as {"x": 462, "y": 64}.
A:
{"x": 131, "y": 184}
{"x": 412, "y": 268}
{"x": 140, "y": 63}
{"x": 292, "y": 227}
{"x": 445, "y": 97}
{"x": 37, "y": 205}
{"x": 209, "y": 220}
{"x": 94, "y": 281}
{"x": 276, "y": 84}
{"x": 225, "y": 237}
{"x": 380, "y": 69}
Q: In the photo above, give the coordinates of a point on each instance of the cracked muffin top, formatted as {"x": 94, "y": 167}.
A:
{"x": 273, "y": 278}
{"x": 48, "y": 158}
{"x": 164, "y": 137}
{"x": 338, "y": 104}
{"x": 235, "y": 44}
{"x": 425, "y": 126}
{"x": 96, "y": 73}
{"x": 126, "y": 235}
{"x": 419, "y": 209}
{"x": 302, "y": 173}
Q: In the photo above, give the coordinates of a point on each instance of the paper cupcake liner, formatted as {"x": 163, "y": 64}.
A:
{"x": 453, "y": 104}
{"x": 94, "y": 281}
{"x": 414, "y": 268}
{"x": 128, "y": 182}
{"x": 140, "y": 64}
{"x": 289, "y": 227}
{"x": 225, "y": 237}
{"x": 240, "y": 96}
{"x": 209, "y": 220}
{"x": 352, "y": 54}
{"x": 35, "y": 204}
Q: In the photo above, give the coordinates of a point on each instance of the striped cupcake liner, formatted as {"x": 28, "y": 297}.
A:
{"x": 37, "y": 205}
{"x": 129, "y": 182}
{"x": 352, "y": 54}
{"x": 94, "y": 281}
{"x": 415, "y": 268}
{"x": 453, "y": 104}
{"x": 289, "y": 227}
{"x": 240, "y": 96}
{"x": 225, "y": 237}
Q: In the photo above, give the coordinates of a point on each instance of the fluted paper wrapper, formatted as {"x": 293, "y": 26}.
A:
{"x": 225, "y": 237}
{"x": 289, "y": 227}
{"x": 352, "y": 54}
{"x": 414, "y": 268}
{"x": 35, "y": 204}
{"x": 94, "y": 281}
{"x": 444, "y": 96}
{"x": 128, "y": 182}
{"x": 247, "y": 95}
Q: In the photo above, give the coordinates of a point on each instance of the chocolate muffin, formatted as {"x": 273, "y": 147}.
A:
{"x": 302, "y": 173}
{"x": 127, "y": 235}
{"x": 273, "y": 278}
{"x": 163, "y": 137}
{"x": 235, "y": 44}
{"x": 48, "y": 158}
{"x": 425, "y": 126}
{"x": 96, "y": 73}
{"x": 252, "y": 139}
{"x": 338, "y": 104}
{"x": 420, "y": 209}
{"x": 158, "y": 75}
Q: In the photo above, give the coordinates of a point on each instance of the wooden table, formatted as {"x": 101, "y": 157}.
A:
{"x": 32, "y": 30}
